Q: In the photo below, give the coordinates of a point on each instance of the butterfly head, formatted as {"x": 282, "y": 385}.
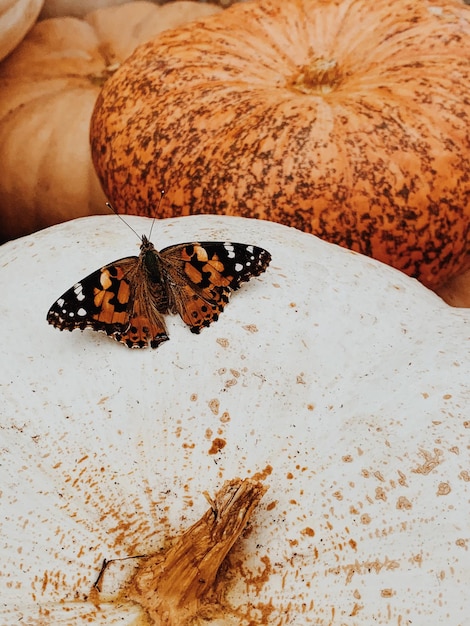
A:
{"x": 150, "y": 260}
{"x": 146, "y": 243}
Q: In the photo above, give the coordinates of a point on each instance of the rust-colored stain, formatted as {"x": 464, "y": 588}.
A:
{"x": 363, "y": 567}
{"x": 356, "y": 609}
{"x": 380, "y": 494}
{"x": 214, "y": 406}
{"x": 251, "y": 328}
{"x": 443, "y": 489}
{"x": 431, "y": 461}
{"x": 264, "y": 473}
{"x": 403, "y": 503}
{"x": 217, "y": 445}
{"x": 402, "y": 479}
{"x": 225, "y": 417}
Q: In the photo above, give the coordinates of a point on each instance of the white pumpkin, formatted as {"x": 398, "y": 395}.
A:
{"x": 77, "y": 8}
{"x": 337, "y": 381}
{"x": 16, "y": 18}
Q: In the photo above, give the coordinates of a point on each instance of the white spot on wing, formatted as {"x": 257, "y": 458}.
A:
{"x": 230, "y": 250}
{"x": 78, "y": 291}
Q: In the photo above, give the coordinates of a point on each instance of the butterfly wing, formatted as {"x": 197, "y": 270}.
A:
{"x": 106, "y": 301}
{"x": 201, "y": 277}
{"x": 126, "y": 299}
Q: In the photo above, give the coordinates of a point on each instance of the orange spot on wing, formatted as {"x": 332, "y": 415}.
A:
{"x": 99, "y": 296}
{"x": 201, "y": 253}
{"x": 217, "y": 278}
{"x": 107, "y": 313}
{"x": 142, "y": 330}
{"x": 105, "y": 279}
{"x": 195, "y": 311}
{"x": 192, "y": 273}
{"x": 217, "y": 265}
{"x": 124, "y": 292}
{"x": 120, "y": 318}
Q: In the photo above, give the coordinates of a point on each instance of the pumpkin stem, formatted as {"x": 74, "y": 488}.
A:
{"x": 100, "y": 78}
{"x": 319, "y": 76}
{"x": 171, "y": 586}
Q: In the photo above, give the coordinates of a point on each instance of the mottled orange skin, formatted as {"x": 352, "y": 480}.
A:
{"x": 235, "y": 115}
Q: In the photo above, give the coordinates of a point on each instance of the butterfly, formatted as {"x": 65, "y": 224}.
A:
{"x": 128, "y": 298}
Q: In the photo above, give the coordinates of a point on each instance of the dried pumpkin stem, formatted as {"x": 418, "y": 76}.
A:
{"x": 318, "y": 76}
{"x": 171, "y": 586}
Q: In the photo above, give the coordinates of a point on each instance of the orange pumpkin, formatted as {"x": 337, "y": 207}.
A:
{"x": 345, "y": 118}
{"x": 49, "y": 85}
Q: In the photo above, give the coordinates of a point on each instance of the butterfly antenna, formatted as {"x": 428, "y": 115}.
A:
{"x": 110, "y": 206}
{"x": 162, "y": 193}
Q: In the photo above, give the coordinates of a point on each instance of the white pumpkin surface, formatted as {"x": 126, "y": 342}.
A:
{"x": 338, "y": 381}
{"x": 16, "y": 18}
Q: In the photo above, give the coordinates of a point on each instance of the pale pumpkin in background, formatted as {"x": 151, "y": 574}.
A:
{"x": 16, "y": 18}
{"x": 77, "y": 8}
{"x": 336, "y": 381}
{"x": 49, "y": 87}
{"x": 345, "y": 118}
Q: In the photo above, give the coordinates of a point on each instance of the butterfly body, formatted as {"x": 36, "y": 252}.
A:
{"x": 128, "y": 298}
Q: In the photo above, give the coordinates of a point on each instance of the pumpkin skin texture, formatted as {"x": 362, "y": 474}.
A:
{"x": 338, "y": 381}
{"x": 343, "y": 118}
{"x": 49, "y": 87}
{"x": 16, "y": 18}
